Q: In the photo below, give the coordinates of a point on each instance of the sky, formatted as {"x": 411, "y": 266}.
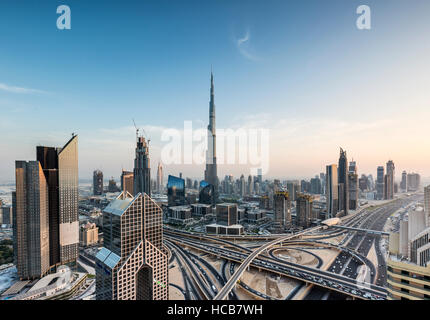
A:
{"x": 300, "y": 69}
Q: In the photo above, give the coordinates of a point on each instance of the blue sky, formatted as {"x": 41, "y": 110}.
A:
{"x": 302, "y": 70}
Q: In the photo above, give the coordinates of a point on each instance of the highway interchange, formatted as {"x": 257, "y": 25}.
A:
{"x": 338, "y": 281}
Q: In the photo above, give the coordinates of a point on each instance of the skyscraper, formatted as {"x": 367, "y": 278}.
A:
{"x": 380, "y": 183}
{"x": 343, "y": 182}
{"x": 160, "y": 178}
{"x": 142, "y": 169}
{"x": 97, "y": 182}
{"x": 60, "y": 166}
{"x": 211, "y": 167}
{"x": 31, "y": 221}
{"x": 353, "y": 185}
{"x": 304, "y": 210}
{"x": 133, "y": 263}
{"x": 389, "y": 181}
{"x": 404, "y": 182}
{"x": 282, "y": 209}
{"x": 332, "y": 190}
{"x": 427, "y": 205}
{"x": 127, "y": 181}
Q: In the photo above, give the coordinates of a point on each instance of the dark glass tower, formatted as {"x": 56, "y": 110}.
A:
{"x": 60, "y": 167}
{"x": 211, "y": 168}
{"x": 142, "y": 170}
{"x": 343, "y": 182}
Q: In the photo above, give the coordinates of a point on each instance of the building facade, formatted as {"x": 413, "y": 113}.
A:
{"x": 211, "y": 175}
{"x": 332, "y": 198}
{"x": 282, "y": 209}
{"x": 133, "y": 263}
{"x": 142, "y": 169}
{"x": 31, "y": 221}
{"x": 97, "y": 183}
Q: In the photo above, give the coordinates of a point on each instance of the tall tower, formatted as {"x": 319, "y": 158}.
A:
{"x": 142, "y": 170}
{"x": 211, "y": 168}
{"x": 31, "y": 217}
{"x": 343, "y": 182}
{"x": 389, "y": 181}
{"x": 97, "y": 182}
{"x": 332, "y": 190}
{"x": 60, "y": 166}
{"x": 159, "y": 178}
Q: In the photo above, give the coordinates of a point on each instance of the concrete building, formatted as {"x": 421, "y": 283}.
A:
{"x": 304, "y": 215}
{"x": 226, "y": 214}
{"x": 380, "y": 183}
{"x": 31, "y": 221}
{"x": 404, "y": 182}
{"x": 389, "y": 181}
{"x": 88, "y": 234}
{"x": 407, "y": 281}
{"x": 353, "y": 190}
{"x": 142, "y": 168}
{"x": 133, "y": 264}
{"x": 414, "y": 182}
{"x": 160, "y": 178}
{"x": 97, "y": 183}
{"x": 332, "y": 190}
{"x": 201, "y": 210}
{"x": 282, "y": 209}
{"x": 342, "y": 180}
{"x": 179, "y": 215}
{"x": 5, "y": 215}
{"x": 427, "y": 204}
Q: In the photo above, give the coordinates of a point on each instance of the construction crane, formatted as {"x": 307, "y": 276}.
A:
{"x": 137, "y": 132}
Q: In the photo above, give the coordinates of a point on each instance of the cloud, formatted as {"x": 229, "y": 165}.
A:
{"x": 20, "y": 90}
{"x": 244, "y": 47}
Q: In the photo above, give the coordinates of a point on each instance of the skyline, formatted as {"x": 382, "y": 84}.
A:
{"x": 267, "y": 60}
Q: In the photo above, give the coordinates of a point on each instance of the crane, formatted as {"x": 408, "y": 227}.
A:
{"x": 137, "y": 132}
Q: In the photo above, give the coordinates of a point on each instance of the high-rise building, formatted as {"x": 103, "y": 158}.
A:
{"x": 404, "y": 182}
{"x": 380, "y": 183}
{"x": 342, "y": 180}
{"x": 112, "y": 187}
{"x": 282, "y": 209}
{"x": 142, "y": 169}
{"x": 353, "y": 190}
{"x": 31, "y": 221}
{"x": 211, "y": 166}
{"x": 242, "y": 186}
{"x": 226, "y": 214}
{"x": 60, "y": 166}
{"x": 304, "y": 210}
{"x": 97, "y": 183}
{"x": 427, "y": 204}
{"x": 316, "y": 185}
{"x": 5, "y": 214}
{"x": 160, "y": 178}
{"x": 413, "y": 181}
{"x": 332, "y": 198}
{"x": 250, "y": 185}
{"x": 175, "y": 191}
{"x": 293, "y": 189}
{"x": 389, "y": 181}
{"x": 133, "y": 263}
{"x": 363, "y": 183}
{"x": 127, "y": 182}
{"x": 260, "y": 175}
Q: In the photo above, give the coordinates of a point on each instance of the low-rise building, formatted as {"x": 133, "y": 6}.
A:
{"x": 89, "y": 234}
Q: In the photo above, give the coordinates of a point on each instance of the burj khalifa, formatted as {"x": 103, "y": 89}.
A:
{"x": 211, "y": 168}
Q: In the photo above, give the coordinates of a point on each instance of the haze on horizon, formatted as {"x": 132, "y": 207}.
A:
{"x": 303, "y": 71}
